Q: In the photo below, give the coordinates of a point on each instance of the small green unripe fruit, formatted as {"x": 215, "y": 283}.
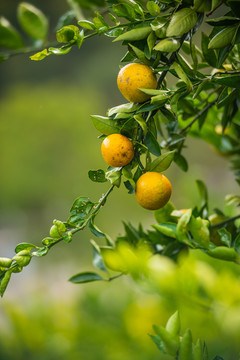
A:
{"x": 22, "y": 258}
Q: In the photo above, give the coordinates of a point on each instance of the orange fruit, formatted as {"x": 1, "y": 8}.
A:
{"x": 117, "y": 150}
{"x": 134, "y": 76}
{"x": 153, "y": 190}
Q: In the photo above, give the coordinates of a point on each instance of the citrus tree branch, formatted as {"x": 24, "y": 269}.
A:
{"x": 226, "y": 221}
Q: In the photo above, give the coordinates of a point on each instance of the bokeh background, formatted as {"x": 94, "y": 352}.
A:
{"x": 47, "y": 145}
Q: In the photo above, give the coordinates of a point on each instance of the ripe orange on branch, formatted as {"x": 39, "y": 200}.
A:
{"x": 117, "y": 150}
{"x": 134, "y": 76}
{"x": 153, "y": 190}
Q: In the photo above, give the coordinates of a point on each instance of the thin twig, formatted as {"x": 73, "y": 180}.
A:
{"x": 211, "y": 12}
{"x": 226, "y": 221}
{"x": 206, "y": 108}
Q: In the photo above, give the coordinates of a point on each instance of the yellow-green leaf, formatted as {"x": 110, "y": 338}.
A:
{"x": 181, "y": 22}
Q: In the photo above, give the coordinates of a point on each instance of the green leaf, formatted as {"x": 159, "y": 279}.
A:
{"x": 152, "y": 144}
{"x": 167, "y": 45}
{"x": 57, "y": 51}
{"x": 142, "y": 122}
{"x": 163, "y": 162}
{"x": 80, "y": 209}
{"x": 32, "y": 20}
{"x": 85, "y": 277}
{"x": 228, "y": 80}
{"x": 69, "y": 33}
{"x": 24, "y": 246}
{"x": 158, "y": 342}
{"x": 168, "y": 229}
{"x": 124, "y": 108}
{"x": 135, "y": 34}
{"x": 9, "y": 37}
{"x": 105, "y": 125}
{"x": 169, "y": 341}
{"x": 223, "y": 38}
{"x": 114, "y": 176}
{"x": 181, "y": 22}
{"x": 138, "y": 54}
{"x": 40, "y": 55}
{"x": 182, "y": 230}
{"x": 97, "y": 175}
{"x": 181, "y": 162}
{"x": 237, "y": 244}
{"x": 199, "y": 229}
{"x": 224, "y": 253}
{"x": 226, "y": 237}
{"x": 94, "y": 229}
{"x": 153, "y": 8}
{"x": 203, "y": 192}
{"x": 97, "y": 257}
{"x": 125, "y": 11}
{"x": 181, "y": 74}
{"x": 41, "y": 252}
{"x": 163, "y": 215}
{"x": 185, "y": 349}
{"x": 173, "y": 324}
{"x": 223, "y": 21}
{"x": 209, "y": 54}
{"x": 86, "y": 24}
{"x": 4, "y": 281}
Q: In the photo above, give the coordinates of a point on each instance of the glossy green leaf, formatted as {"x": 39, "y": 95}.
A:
{"x": 94, "y": 229}
{"x": 181, "y": 22}
{"x": 124, "y": 108}
{"x": 69, "y": 33}
{"x": 209, "y": 54}
{"x": 153, "y": 8}
{"x": 41, "y": 252}
{"x": 86, "y": 24}
{"x": 125, "y": 11}
{"x": 24, "y": 246}
{"x": 105, "y": 125}
{"x": 199, "y": 229}
{"x": 181, "y": 74}
{"x": 142, "y": 122}
{"x": 168, "y": 229}
{"x": 163, "y": 215}
{"x": 40, "y": 55}
{"x": 85, "y": 277}
{"x": 223, "y": 21}
{"x": 9, "y": 37}
{"x": 226, "y": 237}
{"x": 152, "y": 144}
{"x": 4, "y": 281}
{"x": 59, "y": 51}
{"x": 167, "y": 45}
{"x": 114, "y": 176}
{"x": 163, "y": 162}
{"x": 202, "y": 189}
{"x": 223, "y": 38}
{"x": 97, "y": 175}
{"x": 224, "y": 253}
{"x": 158, "y": 342}
{"x": 97, "y": 257}
{"x": 135, "y": 34}
{"x": 32, "y": 20}
{"x": 228, "y": 80}
{"x": 181, "y": 162}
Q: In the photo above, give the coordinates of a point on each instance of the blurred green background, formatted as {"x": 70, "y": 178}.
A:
{"x": 47, "y": 146}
